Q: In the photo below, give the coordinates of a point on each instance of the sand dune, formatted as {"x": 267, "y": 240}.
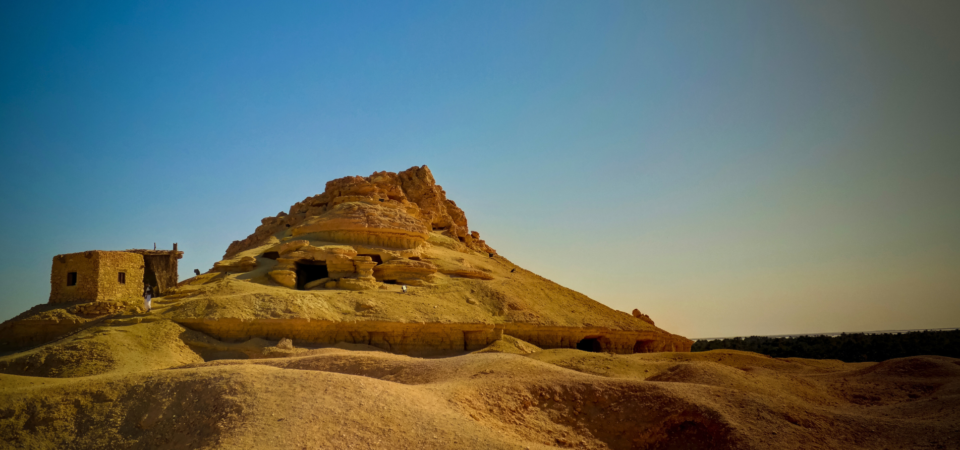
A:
{"x": 143, "y": 386}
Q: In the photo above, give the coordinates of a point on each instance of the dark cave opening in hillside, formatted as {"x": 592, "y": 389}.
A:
{"x": 271, "y": 255}
{"x": 643, "y": 347}
{"x": 590, "y": 345}
{"x": 308, "y": 271}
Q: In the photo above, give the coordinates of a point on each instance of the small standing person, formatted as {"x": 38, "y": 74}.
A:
{"x": 147, "y": 295}
{"x": 404, "y": 289}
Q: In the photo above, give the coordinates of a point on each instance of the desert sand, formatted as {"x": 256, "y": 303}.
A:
{"x": 303, "y": 338}
{"x": 148, "y": 385}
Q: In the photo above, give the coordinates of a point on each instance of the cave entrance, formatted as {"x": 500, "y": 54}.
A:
{"x": 643, "y": 347}
{"x": 308, "y": 271}
{"x": 590, "y": 344}
{"x": 375, "y": 258}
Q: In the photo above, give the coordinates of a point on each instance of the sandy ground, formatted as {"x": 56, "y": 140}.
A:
{"x": 147, "y": 386}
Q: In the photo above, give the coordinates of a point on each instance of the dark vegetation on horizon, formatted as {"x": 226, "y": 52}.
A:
{"x": 854, "y": 347}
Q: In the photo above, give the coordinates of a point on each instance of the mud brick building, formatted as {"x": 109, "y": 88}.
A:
{"x": 98, "y": 276}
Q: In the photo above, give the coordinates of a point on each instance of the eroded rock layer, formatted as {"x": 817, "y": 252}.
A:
{"x": 427, "y": 338}
{"x": 385, "y": 209}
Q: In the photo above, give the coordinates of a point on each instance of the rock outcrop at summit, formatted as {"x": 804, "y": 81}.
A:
{"x": 386, "y": 209}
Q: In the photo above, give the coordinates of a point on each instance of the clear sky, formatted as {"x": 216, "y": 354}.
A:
{"x": 730, "y": 168}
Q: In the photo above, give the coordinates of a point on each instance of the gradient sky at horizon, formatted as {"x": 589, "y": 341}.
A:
{"x": 730, "y": 168}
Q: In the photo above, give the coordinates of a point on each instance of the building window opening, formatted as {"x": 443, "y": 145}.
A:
{"x": 590, "y": 345}
{"x": 308, "y": 271}
{"x": 122, "y": 278}
{"x": 376, "y": 258}
{"x": 71, "y": 279}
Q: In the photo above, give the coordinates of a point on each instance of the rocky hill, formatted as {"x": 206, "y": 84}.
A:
{"x": 333, "y": 267}
{"x": 386, "y": 260}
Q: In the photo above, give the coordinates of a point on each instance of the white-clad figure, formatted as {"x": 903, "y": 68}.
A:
{"x": 404, "y": 289}
{"x": 147, "y": 295}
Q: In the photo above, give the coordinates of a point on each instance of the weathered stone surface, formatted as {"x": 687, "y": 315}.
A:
{"x": 467, "y": 273}
{"x": 286, "y": 278}
{"x": 316, "y": 283}
{"x": 98, "y": 308}
{"x": 385, "y": 209}
{"x": 404, "y": 269}
{"x": 96, "y": 276}
{"x": 290, "y": 246}
{"x": 427, "y": 338}
{"x": 355, "y": 284}
{"x": 340, "y": 267}
{"x": 370, "y": 224}
{"x": 643, "y": 317}
{"x": 441, "y": 213}
{"x": 239, "y": 265}
{"x": 285, "y": 344}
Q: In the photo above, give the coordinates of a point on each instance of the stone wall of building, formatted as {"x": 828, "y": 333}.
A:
{"x": 113, "y": 263}
{"x": 97, "y": 276}
{"x": 86, "y": 266}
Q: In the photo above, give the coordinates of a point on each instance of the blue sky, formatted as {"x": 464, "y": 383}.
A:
{"x": 729, "y": 168}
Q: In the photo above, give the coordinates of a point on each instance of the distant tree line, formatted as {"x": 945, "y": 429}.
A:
{"x": 853, "y": 347}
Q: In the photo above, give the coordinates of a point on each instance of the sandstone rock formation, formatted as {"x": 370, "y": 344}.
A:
{"x": 244, "y": 264}
{"x": 643, "y": 317}
{"x": 385, "y": 209}
{"x": 329, "y": 271}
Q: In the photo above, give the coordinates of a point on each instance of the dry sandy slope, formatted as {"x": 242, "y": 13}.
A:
{"x": 514, "y": 295}
{"x": 336, "y": 398}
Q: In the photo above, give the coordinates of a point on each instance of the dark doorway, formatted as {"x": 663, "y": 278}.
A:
{"x": 590, "y": 345}
{"x": 308, "y": 271}
{"x": 150, "y": 279}
{"x": 375, "y": 258}
{"x": 643, "y": 347}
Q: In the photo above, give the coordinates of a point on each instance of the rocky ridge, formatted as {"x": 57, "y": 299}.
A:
{"x": 389, "y": 209}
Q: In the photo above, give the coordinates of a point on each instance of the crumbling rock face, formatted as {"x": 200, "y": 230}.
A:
{"x": 467, "y": 273}
{"x": 405, "y": 271}
{"x": 436, "y": 338}
{"x": 643, "y": 317}
{"x": 385, "y": 209}
{"x": 245, "y": 264}
{"x": 358, "y": 222}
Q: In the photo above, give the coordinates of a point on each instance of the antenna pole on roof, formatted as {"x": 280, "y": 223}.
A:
{"x": 154, "y": 245}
